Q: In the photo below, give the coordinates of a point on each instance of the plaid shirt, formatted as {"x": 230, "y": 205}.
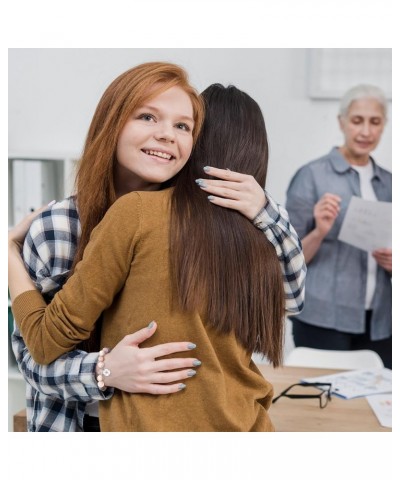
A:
{"x": 57, "y": 394}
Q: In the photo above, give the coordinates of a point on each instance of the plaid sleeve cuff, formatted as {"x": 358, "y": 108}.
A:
{"x": 88, "y": 378}
{"x": 269, "y": 214}
{"x": 72, "y": 376}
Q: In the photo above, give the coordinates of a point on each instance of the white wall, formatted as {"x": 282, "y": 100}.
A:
{"x": 53, "y": 94}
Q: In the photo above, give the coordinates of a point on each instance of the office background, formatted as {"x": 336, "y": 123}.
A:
{"x": 53, "y": 94}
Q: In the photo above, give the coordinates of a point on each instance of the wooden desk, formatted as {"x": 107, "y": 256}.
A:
{"x": 304, "y": 415}
{"x": 20, "y": 421}
{"x": 301, "y": 415}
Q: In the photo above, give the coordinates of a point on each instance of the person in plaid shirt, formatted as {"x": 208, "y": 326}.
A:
{"x": 59, "y": 395}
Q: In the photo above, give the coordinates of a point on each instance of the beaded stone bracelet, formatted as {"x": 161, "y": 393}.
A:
{"x": 102, "y": 371}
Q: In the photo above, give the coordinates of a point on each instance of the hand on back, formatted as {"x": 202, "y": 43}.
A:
{"x": 142, "y": 370}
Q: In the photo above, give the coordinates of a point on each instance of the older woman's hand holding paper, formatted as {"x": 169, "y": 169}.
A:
{"x": 383, "y": 257}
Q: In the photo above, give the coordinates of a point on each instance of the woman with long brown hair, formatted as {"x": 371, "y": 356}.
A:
{"x": 132, "y": 270}
{"x": 229, "y": 269}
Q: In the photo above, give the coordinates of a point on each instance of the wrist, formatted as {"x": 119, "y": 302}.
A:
{"x": 257, "y": 211}
{"x": 263, "y": 217}
{"x": 318, "y": 234}
{"x": 102, "y": 372}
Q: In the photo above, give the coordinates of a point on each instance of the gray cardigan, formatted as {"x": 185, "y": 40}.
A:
{"x": 337, "y": 275}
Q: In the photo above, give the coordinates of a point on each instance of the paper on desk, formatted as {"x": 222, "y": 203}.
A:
{"x": 357, "y": 383}
{"x": 367, "y": 224}
{"x": 382, "y": 407}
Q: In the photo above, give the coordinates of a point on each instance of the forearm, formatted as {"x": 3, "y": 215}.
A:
{"x": 49, "y": 331}
{"x": 311, "y": 244}
{"x": 18, "y": 278}
{"x": 273, "y": 220}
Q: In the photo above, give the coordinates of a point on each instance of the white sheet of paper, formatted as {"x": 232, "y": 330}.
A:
{"x": 382, "y": 407}
{"x": 367, "y": 224}
{"x": 357, "y": 383}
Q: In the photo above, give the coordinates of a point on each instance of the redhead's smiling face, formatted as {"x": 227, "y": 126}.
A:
{"x": 362, "y": 127}
{"x": 155, "y": 143}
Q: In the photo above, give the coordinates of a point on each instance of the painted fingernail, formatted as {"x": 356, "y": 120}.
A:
{"x": 51, "y": 203}
{"x": 191, "y": 373}
{"x": 191, "y": 346}
{"x": 196, "y": 363}
{"x": 211, "y": 198}
{"x": 206, "y": 169}
{"x": 181, "y": 386}
{"x": 150, "y": 325}
{"x": 200, "y": 182}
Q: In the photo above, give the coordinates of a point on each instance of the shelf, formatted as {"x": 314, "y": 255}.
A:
{"x": 34, "y": 180}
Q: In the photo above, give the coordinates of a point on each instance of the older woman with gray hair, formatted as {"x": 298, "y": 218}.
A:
{"x": 348, "y": 302}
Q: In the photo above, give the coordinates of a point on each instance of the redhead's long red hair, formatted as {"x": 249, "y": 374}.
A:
{"x": 95, "y": 179}
{"x": 94, "y": 185}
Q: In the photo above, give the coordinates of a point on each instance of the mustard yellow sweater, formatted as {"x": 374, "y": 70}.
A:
{"x": 125, "y": 274}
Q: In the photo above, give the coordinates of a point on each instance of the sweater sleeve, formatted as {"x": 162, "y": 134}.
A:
{"x": 52, "y": 330}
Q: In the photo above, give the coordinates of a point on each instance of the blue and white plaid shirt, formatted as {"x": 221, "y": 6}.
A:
{"x": 57, "y": 394}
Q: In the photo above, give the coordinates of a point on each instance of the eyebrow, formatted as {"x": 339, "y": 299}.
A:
{"x": 183, "y": 117}
{"x": 357, "y": 115}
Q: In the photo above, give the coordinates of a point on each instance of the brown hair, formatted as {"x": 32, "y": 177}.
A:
{"x": 221, "y": 264}
{"x": 94, "y": 183}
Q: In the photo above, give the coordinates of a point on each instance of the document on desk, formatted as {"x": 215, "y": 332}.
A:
{"x": 367, "y": 224}
{"x": 357, "y": 383}
{"x": 382, "y": 407}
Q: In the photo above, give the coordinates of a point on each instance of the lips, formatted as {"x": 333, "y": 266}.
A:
{"x": 159, "y": 154}
{"x": 365, "y": 144}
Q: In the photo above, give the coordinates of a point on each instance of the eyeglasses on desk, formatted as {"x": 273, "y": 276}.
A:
{"x": 297, "y": 391}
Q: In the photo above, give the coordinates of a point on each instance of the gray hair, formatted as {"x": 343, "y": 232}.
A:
{"x": 362, "y": 91}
